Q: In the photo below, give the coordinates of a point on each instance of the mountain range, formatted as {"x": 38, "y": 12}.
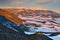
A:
{"x": 27, "y": 12}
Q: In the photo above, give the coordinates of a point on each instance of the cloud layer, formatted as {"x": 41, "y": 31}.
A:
{"x": 46, "y": 1}
{"x": 33, "y": 1}
{"x": 26, "y": 2}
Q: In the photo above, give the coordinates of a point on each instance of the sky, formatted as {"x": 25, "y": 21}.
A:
{"x": 48, "y": 4}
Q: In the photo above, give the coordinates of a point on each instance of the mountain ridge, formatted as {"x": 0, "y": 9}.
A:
{"x": 30, "y": 12}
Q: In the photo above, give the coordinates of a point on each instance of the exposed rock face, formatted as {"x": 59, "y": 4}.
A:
{"x": 32, "y": 12}
{"x": 10, "y": 16}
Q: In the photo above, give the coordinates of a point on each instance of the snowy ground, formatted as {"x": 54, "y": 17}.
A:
{"x": 47, "y": 32}
{"x": 55, "y": 37}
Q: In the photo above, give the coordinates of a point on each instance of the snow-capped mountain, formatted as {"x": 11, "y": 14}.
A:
{"x": 32, "y": 12}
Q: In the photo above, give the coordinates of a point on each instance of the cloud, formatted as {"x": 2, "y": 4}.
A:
{"x": 25, "y": 2}
{"x": 31, "y": 2}
{"x": 45, "y": 1}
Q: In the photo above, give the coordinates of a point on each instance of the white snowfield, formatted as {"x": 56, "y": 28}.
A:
{"x": 31, "y": 19}
{"x": 55, "y": 37}
{"x": 45, "y": 27}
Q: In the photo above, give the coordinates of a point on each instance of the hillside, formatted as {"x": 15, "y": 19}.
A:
{"x": 8, "y": 32}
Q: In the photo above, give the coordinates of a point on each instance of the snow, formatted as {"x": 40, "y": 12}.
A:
{"x": 55, "y": 37}
{"x": 46, "y": 28}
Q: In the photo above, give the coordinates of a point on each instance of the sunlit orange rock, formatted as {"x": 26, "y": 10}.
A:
{"x": 11, "y": 17}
